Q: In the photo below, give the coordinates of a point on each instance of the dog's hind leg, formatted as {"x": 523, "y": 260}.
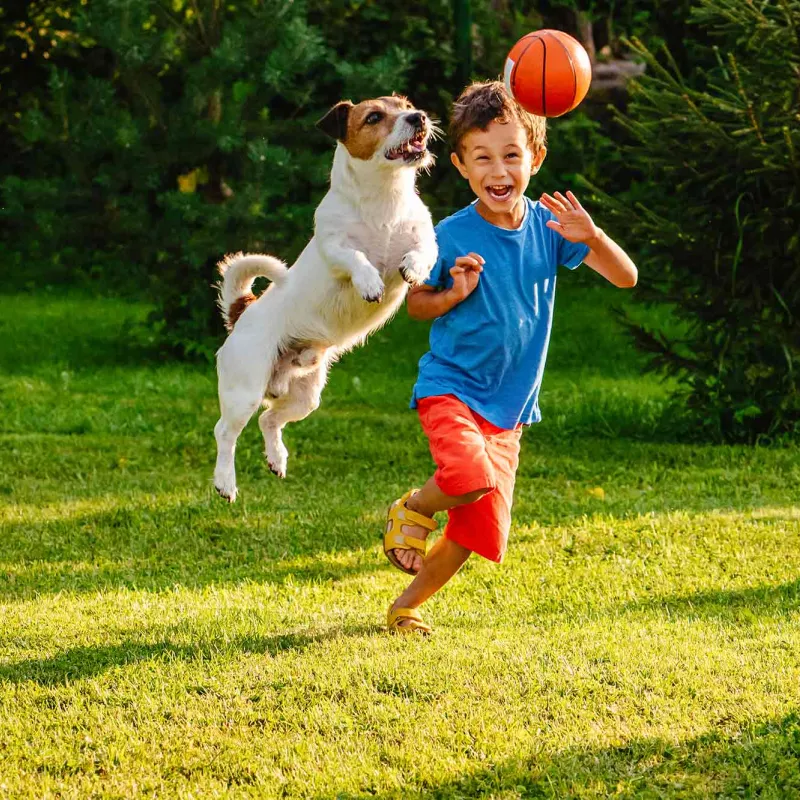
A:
{"x": 226, "y": 432}
{"x": 291, "y": 365}
{"x": 301, "y": 399}
{"x": 241, "y": 390}
{"x": 281, "y": 377}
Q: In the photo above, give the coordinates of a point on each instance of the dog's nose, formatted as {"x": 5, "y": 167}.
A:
{"x": 417, "y": 118}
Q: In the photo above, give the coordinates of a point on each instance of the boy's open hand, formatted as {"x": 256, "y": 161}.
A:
{"x": 465, "y": 275}
{"x": 572, "y": 221}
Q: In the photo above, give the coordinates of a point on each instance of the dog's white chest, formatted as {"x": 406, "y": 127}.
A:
{"x": 384, "y": 245}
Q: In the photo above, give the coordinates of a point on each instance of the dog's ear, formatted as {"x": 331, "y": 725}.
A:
{"x": 408, "y": 103}
{"x": 334, "y": 123}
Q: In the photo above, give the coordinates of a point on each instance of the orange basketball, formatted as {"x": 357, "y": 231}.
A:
{"x": 548, "y": 72}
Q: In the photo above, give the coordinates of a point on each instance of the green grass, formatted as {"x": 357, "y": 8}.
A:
{"x": 158, "y": 642}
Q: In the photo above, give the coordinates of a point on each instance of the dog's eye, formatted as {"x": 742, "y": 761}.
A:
{"x": 374, "y": 118}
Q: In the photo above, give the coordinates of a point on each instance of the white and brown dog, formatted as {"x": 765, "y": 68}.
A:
{"x": 373, "y": 236}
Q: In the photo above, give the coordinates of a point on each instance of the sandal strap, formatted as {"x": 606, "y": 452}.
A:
{"x": 407, "y": 516}
{"x": 394, "y": 538}
{"x": 397, "y": 540}
{"x": 399, "y": 614}
{"x": 399, "y": 510}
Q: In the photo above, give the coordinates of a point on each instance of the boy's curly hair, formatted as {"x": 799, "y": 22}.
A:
{"x": 482, "y": 103}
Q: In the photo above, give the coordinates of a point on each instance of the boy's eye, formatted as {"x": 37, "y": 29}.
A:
{"x": 482, "y": 158}
{"x": 513, "y": 155}
{"x": 374, "y": 118}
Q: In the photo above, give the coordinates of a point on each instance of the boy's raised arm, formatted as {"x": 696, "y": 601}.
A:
{"x": 606, "y": 257}
{"x": 426, "y": 302}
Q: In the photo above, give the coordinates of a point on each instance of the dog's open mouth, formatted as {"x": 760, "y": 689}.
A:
{"x": 412, "y": 149}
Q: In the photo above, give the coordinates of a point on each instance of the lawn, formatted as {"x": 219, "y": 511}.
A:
{"x": 640, "y": 640}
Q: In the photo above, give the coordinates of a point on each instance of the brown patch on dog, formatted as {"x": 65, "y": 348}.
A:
{"x": 365, "y": 138}
{"x": 237, "y": 309}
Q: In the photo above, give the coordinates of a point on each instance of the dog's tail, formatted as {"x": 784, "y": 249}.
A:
{"x": 238, "y": 273}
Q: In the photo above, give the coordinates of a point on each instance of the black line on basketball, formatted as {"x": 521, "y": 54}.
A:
{"x": 513, "y": 79}
{"x": 544, "y": 77}
{"x": 571, "y": 66}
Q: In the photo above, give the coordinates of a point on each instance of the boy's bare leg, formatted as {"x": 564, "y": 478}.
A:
{"x": 444, "y": 560}
{"x": 428, "y": 500}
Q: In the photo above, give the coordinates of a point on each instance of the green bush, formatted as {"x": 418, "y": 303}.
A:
{"x": 719, "y": 240}
{"x": 166, "y": 143}
{"x": 148, "y": 139}
{"x": 169, "y": 134}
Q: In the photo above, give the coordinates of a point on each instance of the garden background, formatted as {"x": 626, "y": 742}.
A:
{"x": 640, "y": 639}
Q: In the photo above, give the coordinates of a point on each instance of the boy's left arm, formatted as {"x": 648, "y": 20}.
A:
{"x": 605, "y": 255}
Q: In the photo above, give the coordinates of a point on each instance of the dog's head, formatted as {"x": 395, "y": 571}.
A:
{"x": 386, "y": 130}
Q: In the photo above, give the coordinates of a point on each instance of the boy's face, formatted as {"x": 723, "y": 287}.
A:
{"x": 498, "y": 164}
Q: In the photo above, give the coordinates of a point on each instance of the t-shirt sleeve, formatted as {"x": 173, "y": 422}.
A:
{"x": 440, "y": 274}
{"x": 567, "y": 254}
{"x": 571, "y": 254}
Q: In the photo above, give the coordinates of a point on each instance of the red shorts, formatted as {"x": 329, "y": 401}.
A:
{"x": 470, "y": 454}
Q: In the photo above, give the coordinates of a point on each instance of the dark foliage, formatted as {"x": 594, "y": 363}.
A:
{"x": 716, "y": 213}
{"x": 148, "y": 139}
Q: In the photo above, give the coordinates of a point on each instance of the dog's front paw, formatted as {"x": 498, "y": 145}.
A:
{"x": 370, "y": 286}
{"x": 413, "y": 269}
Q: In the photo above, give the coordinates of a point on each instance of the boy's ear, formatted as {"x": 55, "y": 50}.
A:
{"x": 334, "y": 123}
{"x": 538, "y": 159}
{"x": 457, "y": 163}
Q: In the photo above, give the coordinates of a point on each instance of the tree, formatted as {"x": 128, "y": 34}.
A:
{"x": 719, "y": 240}
{"x": 167, "y": 135}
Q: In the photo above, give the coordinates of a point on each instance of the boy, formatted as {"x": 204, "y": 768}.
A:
{"x": 491, "y": 295}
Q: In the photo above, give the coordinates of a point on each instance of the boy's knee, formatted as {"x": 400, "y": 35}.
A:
{"x": 475, "y": 470}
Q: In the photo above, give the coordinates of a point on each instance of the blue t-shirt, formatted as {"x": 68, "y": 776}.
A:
{"x": 490, "y": 349}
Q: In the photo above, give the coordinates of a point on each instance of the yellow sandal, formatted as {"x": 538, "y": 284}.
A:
{"x": 395, "y": 539}
{"x": 398, "y": 615}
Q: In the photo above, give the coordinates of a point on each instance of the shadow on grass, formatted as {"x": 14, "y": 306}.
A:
{"x": 155, "y": 548}
{"x": 70, "y": 330}
{"x": 758, "y": 761}
{"x": 169, "y": 574}
{"x": 86, "y": 662}
{"x": 726, "y": 605}
{"x": 147, "y": 548}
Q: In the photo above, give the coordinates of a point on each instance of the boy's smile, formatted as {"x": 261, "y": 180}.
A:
{"x": 498, "y": 164}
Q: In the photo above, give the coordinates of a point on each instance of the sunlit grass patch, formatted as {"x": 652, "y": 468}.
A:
{"x": 640, "y": 639}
